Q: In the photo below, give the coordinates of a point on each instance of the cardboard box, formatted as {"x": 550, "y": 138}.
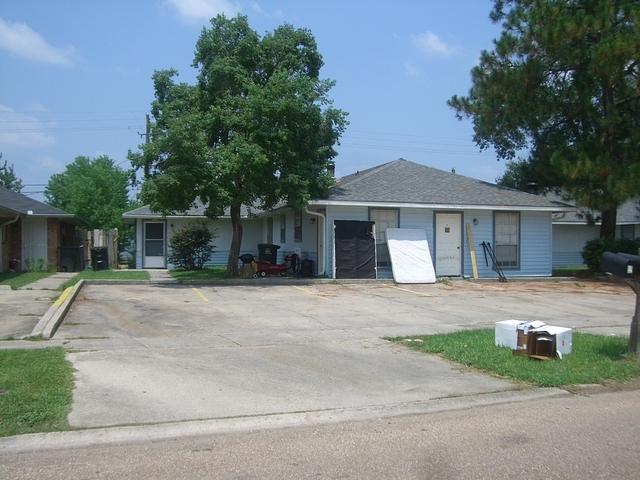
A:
{"x": 513, "y": 333}
{"x": 247, "y": 270}
{"x": 507, "y": 333}
{"x": 549, "y": 341}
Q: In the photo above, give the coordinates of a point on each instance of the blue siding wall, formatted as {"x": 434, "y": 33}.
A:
{"x": 535, "y": 249}
{"x": 482, "y": 232}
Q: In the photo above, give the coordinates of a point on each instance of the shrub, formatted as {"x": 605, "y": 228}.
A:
{"x": 593, "y": 249}
{"x": 191, "y": 246}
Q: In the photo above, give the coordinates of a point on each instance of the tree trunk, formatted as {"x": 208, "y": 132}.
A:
{"x": 608, "y": 225}
{"x": 236, "y": 241}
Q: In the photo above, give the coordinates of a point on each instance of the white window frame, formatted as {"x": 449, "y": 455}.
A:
{"x": 297, "y": 226}
{"x": 506, "y": 239}
{"x": 283, "y": 228}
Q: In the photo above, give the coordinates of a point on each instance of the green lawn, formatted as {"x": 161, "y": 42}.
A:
{"x": 593, "y": 359}
{"x": 106, "y": 275}
{"x": 207, "y": 273}
{"x": 35, "y": 390}
{"x": 21, "y": 278}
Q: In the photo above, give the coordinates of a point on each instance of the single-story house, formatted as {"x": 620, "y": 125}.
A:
{"x": 33, "y": 233}
{"x": 571, "y": 230}
{"x": 400, "y": 194}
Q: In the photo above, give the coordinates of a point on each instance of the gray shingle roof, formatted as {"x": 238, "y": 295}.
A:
{"x": 405, "y": 182}
{"x": 14, "y": 203}
{"x": 196, "y": 211}
{"x": 628, "y": 213}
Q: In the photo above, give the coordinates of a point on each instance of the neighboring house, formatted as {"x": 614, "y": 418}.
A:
{"x": 399, "y": 194}
{"x": 32, "y": 231}
{"x": 571, "y": 230}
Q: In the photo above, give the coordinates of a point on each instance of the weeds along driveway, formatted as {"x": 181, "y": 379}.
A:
{"x": 147, "y": 354}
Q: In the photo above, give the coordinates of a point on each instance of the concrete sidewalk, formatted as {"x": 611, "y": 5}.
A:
{"x": 22, "y": 309}
{"x": 52, "y": 282}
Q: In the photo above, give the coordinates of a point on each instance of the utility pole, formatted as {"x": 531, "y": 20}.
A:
{"x": 146, "y": 135}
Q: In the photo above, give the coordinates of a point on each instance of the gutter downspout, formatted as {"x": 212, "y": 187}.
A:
{"x": 324, "y": 238}
{"x": 10, "y": 221}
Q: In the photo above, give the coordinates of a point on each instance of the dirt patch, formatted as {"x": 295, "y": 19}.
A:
{"x": 580, "y": 287}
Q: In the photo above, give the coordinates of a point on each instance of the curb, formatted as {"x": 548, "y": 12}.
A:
{"x": 49, "y": 323}
{"x": 119, "y": 435}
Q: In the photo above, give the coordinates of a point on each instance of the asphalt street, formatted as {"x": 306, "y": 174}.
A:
{"x": 567, "y": 437}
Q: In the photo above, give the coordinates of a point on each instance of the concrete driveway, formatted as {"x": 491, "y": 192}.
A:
{"x": 149, "y": 354}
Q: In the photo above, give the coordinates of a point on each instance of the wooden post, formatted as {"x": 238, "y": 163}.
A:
{"x": 472, "y": 252}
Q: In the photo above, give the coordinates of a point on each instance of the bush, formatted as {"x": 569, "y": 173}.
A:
{"x": 191, "y": 246}
{"x": 593, "y": 249}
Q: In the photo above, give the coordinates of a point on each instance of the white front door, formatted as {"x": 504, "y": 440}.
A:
{"x": 448, "y": 242}
{"x": 154, "y": 248}
{"x": 34, "y": 242}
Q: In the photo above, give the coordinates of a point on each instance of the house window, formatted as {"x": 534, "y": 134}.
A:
{"x": 507, "y": 239}
{"x": 283, "y": 228}
{"x": 383, "y": 219}
{"x": 627, "y": 231}
{"x": 297, "y": 227}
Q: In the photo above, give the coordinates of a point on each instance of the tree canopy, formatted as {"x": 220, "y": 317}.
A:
{"x": 95, "y": 190}
{"x": 563, "y": 82}
{"x": 258, "y": 127}
{"x": 8, "y": 177}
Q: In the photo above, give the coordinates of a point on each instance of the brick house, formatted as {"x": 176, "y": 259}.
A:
{"x": 32, "y": 232}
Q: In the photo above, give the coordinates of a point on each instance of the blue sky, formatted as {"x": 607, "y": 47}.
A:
{"x": 76, "y": 75}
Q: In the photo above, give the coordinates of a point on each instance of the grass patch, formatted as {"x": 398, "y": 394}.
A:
{"x": 578, "y": 271}
{"x": 593, "y": 358}
{"x": 19, "y": 279}
{"x": 35, "y": 391}
{"x": 207, "y": 273}
{"x": 89, "y": 274}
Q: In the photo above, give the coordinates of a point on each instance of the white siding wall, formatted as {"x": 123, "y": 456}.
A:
{"x": 309, "y": 243}
{"x": 568, "y": 242}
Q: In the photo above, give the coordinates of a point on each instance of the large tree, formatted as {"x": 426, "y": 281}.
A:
{"x": 95, "y": 189}
{"x": 563, "y": 83}
{"x": 8, "y": 177}
{"x": 256, "y": 129}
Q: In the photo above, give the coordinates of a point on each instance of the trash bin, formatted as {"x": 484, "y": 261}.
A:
{"x": 268, "y": 252}
{"x": 306, "y": 268}
{"x": 99, "y": 258}
{"x": 69, "y": 258}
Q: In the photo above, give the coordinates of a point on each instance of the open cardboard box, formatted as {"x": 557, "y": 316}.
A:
{"x": 547, "y": 342}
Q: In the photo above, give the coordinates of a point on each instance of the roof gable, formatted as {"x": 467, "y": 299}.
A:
{"x": 402, "y": 181}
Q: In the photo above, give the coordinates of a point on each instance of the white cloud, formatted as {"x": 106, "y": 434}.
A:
{"x": 411, "y": 70}
{"x": 430, "y": 44}
{"x": 20, "y": 40}
{"x": 195, "y": 10}
{"x": 46, "y": 164}
{"x": 258, "y": 9}
{"x": 19, "y": 130}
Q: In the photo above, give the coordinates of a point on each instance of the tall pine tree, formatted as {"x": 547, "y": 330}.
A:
{"x": 563, "y": 82}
